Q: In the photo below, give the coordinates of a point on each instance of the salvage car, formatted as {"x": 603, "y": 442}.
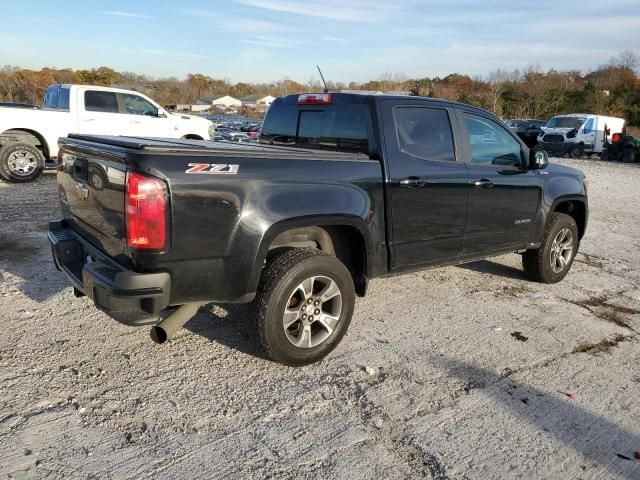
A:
{"x": 29, "y": 137}
{"x": 343, "y": 188}
{"x": 577, "y": 134}
{"x": 527, "y": 129}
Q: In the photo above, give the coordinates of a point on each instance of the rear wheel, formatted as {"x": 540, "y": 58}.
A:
{"x": 630, "y": 155}
{"x": 303, "y": 307}
{"x": 20, "y": 162}
{"x": 551, "y": 262}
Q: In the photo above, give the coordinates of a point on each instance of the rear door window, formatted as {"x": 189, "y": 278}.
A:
{"x": 98, "y": 101}
{"x": 280, "y": 126}
{"x": 425, "y": 133}
{"x": 56, "y": 97}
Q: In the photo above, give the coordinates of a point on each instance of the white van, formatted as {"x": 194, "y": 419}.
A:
{"x": 577, "y": 133}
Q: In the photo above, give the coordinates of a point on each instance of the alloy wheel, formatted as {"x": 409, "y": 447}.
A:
{"x": 561, "y": 250}
{"x": 312, "y": 312}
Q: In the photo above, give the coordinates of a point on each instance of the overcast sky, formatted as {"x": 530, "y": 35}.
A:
{"x": 265, "y": 40}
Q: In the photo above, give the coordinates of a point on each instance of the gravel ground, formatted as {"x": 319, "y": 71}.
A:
{"x": 459, "y": 372}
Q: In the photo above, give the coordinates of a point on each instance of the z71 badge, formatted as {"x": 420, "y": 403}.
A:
{"x": 213, "y": 168}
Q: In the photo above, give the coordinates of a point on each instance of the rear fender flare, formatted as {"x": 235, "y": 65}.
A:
{"x": 308, "y": 221}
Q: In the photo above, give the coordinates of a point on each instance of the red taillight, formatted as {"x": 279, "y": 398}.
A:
{"x": 146, "y": 212}
{"x": 314, "y": 99}
{"x": 616, "y": 138}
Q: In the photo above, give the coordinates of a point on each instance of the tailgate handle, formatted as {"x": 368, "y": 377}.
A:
{"x": 84, "y": 191}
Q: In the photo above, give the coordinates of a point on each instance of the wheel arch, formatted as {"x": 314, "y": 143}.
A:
{"x": 192, "y": 136}
{"x": 24, "y": 134}
{"x": 344, "y": 237}
{"x": 576, "y": 208}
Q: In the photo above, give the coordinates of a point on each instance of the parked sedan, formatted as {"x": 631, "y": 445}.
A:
{"x": 527, "y": 129}
{"x": 236, "y": 137}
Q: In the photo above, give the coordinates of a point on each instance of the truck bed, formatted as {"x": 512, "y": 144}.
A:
{"x": 211, "y": 148}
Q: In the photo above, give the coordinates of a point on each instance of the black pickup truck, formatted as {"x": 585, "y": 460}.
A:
{"x": 342, "y": 188}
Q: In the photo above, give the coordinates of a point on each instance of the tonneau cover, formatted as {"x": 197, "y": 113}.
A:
{"x": 170, "y": 145}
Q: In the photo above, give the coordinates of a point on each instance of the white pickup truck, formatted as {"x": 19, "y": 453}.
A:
{"x": 29, "y": 136}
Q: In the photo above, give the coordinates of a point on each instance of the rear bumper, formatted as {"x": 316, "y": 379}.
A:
{"x": 131, "y": 298}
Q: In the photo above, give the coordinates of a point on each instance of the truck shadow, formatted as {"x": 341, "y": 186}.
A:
{"x": 494, "y": 268}
{"x": 25, "y": 261}
{"x": 556, "y": 415}
{"x": 26, "y": 266}
{"x": 225, "y": 324}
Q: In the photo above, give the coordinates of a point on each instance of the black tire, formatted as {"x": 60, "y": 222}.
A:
{"x": 604, "y": 155}
{"x": 282, "y": 274}
{"x": 537, "y": 263}
{"x": 12, "y": 173}
{"x": 577, "y": 151}
{"x": 630, "y": 155}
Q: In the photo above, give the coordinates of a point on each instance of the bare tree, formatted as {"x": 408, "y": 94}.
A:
{"x": 626, "y": 59}
{"x": 497, "y": 82}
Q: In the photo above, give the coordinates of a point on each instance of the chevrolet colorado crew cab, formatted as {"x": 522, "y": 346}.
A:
{"x": 29, "y": 136}
{"x": 342, "y": 188}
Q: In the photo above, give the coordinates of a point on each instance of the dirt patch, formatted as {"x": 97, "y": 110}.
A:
{"x": 513, "y": 290}
{"x": 518, "y": 336}
{"x": 590, "y": 260}
{"x": 602, "y": 346}
{"x": 598, "y": 306}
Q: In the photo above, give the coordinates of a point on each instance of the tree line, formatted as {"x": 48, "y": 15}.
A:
{"x": 611, "y": 89}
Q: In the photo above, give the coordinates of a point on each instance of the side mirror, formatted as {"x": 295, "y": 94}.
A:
{"x": 538, "y": 159}
{"x": 161, "y": 114}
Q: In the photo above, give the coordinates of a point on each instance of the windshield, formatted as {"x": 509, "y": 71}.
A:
{"x": 566, "y": 122}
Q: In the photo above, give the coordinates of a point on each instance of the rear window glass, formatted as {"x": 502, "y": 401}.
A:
{"x": 280, "y": 126}
{"x": 340, "y": 127}
{"x": 335, "y": 128}
{"x": 96, "y": 101}
{"x": 56, "y": 97}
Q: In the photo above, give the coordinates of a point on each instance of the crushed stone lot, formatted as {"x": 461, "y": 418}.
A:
{"x": 468, "y": 372}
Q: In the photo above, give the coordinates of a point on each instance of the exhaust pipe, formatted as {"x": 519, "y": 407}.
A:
{"x": 167, "y": 328}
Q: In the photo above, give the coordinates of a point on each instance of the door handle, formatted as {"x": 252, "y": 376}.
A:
{"x": 412, "y": 182}
{"x": 483, "y": 183}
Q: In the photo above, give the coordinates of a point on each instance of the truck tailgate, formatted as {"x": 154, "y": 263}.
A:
{"x": 91, "y": 185}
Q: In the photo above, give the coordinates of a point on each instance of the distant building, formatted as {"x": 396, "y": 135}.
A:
{"x": 257, "y": 101}
{"x": 199, "y": 108}
{"x": 221, "y": 101}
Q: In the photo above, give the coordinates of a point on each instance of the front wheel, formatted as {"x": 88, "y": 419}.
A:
{"x": 551, "y": 262}
{"x": 303, "y": 307}
{"x": 577, "y": 151}
{"x": 20, "y": 162}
